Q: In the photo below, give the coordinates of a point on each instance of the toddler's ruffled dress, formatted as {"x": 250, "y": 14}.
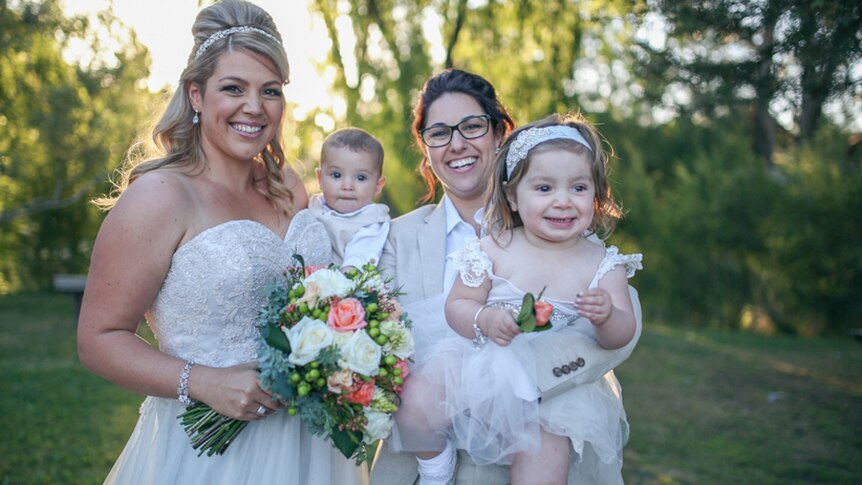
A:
{"x": 486, "y": 396}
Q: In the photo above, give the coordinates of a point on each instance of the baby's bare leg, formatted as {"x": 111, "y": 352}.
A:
{"x": 550, "y": 466}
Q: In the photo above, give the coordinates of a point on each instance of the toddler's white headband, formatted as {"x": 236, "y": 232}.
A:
{"x": 528, "y": 139}
{"x": 221, "y": 34}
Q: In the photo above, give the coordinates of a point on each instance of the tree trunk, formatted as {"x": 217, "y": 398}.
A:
{"x": 764, "y": 125}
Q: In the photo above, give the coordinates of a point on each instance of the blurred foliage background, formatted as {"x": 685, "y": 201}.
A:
{"x": 736, "y": 128}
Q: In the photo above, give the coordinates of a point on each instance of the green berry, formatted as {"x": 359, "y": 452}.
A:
{"x": 373, "y": 332}
{"x": 398, "y": 380}
{"x": 371, "y": 308}
{"x": 396, "y": 371}
{"x": 390, "y": 360}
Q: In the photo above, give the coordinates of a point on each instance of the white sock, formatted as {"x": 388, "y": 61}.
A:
{"x": 438, "y": 470}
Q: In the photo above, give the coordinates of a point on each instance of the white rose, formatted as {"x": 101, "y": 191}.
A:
{"x": 378, "y": 427}
{"x": 361, "y": 354}
{"x": 331, "y": 283}
{"x": 341, "y": 338}
{"x": 307, "y": 338}
{"x": 400, "y": 343}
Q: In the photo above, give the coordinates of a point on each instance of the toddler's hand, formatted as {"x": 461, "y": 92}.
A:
{"x": 498, "y": 325}
{"x": 595, "y": 304}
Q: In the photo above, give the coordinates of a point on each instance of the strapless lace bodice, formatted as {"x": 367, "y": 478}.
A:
{"x": 206, "y": 310}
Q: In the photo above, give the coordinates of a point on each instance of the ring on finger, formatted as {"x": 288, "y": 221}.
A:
{"x": 261, "y": 411}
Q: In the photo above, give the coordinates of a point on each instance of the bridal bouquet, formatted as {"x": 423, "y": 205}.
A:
{"x": 334, "y": 349}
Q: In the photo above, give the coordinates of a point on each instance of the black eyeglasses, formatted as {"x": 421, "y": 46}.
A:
{"x": 440, "y": 135}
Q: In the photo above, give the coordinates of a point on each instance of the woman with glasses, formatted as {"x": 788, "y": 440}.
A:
{"x": 459, "y": 123}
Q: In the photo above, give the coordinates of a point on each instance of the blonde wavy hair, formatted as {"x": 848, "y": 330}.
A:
{"x": 498, "y": 215}
{"x": 176, "y": 141}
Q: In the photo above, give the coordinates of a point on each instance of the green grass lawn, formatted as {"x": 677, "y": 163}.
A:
{"x": 705, "y": 407}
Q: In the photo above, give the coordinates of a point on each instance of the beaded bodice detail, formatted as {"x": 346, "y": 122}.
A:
{"x": 207, "y": 308}
{"x": 474, "y": 265}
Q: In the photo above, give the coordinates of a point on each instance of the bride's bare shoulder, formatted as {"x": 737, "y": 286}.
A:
{"x": 294, "y": 183}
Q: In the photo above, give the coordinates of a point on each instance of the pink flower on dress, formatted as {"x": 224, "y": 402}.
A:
{"x": 543, "y": 312}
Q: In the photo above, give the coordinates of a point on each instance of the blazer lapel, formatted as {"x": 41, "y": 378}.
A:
{"x": 432, "y": 250}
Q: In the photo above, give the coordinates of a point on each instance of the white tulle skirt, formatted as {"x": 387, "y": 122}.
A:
{"x": 485, "y": 401}
{"x": 274, "y": 450}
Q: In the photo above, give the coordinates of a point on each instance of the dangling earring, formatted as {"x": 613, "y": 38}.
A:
{"x": 497, "y": 151}
{"x": 196, "y": 119}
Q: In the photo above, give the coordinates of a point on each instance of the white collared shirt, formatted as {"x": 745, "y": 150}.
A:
{"x": 458, "y": 234}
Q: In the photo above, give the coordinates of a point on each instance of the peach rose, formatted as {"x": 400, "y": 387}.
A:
{"x": 362, "y": 393}
{"x": 340, "y": 382}
{"x": 396, "y": 311}
{"x": 543, "y": 312}
{"x": 347, "y": 315}
{"x": 311, "y": 295}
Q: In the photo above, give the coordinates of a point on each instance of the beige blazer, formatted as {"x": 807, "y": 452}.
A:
{"x": 414, "y": 255}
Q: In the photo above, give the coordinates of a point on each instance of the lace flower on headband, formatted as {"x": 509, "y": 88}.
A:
{"x": 221, "y": 34}
{"x": 527, "y": 140}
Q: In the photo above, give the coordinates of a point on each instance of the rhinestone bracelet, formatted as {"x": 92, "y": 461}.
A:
{"x": 481, "y": 338}
{"x": 183, "y": 386}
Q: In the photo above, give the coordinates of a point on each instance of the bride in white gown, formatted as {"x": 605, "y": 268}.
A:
{"x": 192, "y": 242}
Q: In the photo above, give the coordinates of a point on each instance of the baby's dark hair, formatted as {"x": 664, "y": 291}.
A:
{"x": 500, "y": 219}
{"x": 356, "y": 140}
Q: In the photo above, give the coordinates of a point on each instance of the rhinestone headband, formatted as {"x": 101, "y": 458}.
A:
{"x": 527, "y": 140}
{"x": 221, "y": 34}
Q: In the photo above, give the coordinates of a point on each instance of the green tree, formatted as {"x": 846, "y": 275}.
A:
{"x": 65, "y": 128}
{"x": 768, "y": 55}
{"x": 383, "y": 51}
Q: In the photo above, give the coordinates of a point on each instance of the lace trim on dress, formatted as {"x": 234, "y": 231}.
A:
{"x": 613, "y": 258}
{"x": 472, "y": 264}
